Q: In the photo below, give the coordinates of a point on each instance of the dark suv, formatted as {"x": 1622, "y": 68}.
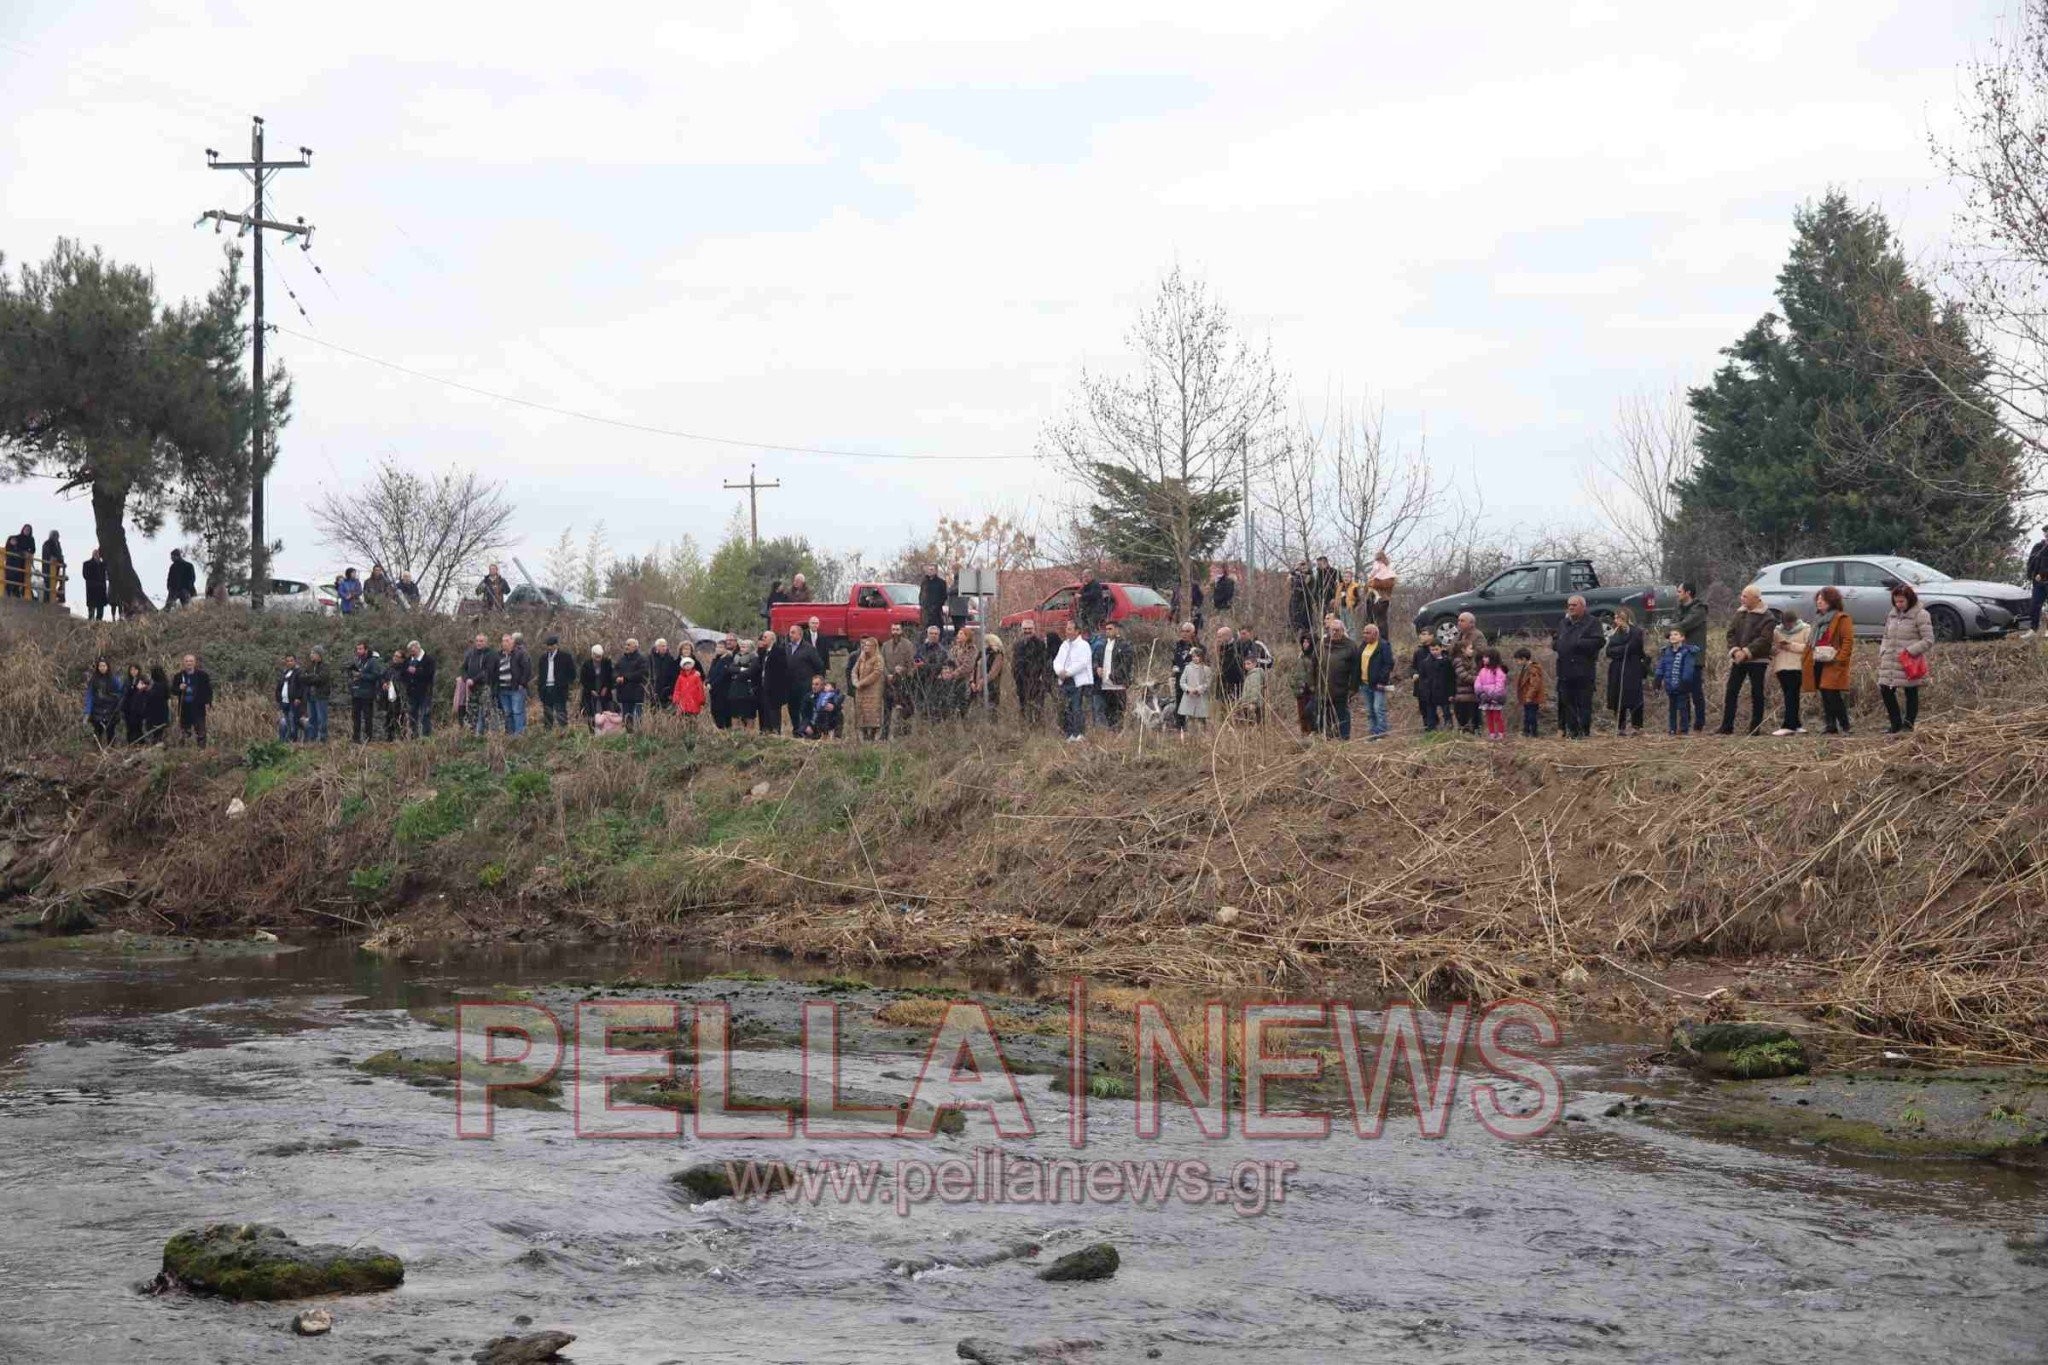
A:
{"x": 1529, "y": 599}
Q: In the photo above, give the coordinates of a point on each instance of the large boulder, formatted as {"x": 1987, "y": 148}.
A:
{"x": 710, "y": 1180}
{"x": 985, "y": 1352}
{"x": 1743, "y": 1051}
{"x": 531, "y": 1349}
{"x": 258, "y": 1261}
{"x": 1097, "y": 1262}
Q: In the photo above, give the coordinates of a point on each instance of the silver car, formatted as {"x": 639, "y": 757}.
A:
{"x": 1961, "y": 608}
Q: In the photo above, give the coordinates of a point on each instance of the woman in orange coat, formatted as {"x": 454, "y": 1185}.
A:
{"x": 1827, "y": 661}
{"x": 688, "y": 696}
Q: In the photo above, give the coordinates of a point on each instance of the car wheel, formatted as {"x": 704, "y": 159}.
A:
{"x": 1445, "y": 628}
{"x": 1948, "y": 625}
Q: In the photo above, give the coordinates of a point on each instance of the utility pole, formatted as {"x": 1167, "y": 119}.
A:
{"x": 1244, "y": 453}
{"x": 753, "y": 487}
{"x": 258, "y": 172}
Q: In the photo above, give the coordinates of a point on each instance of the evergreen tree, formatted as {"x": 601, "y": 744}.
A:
{"x": 1855, "y": 423}
{"x": 1128, "y": 519}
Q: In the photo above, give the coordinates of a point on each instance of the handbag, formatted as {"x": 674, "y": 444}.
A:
{"x": 1823, "y": 654}
{"x": 1914, "y": 666}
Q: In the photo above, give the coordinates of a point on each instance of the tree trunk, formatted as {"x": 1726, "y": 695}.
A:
{"x": 124, "y": 588}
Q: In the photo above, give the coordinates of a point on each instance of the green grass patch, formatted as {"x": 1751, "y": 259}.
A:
{"x": 370, "y": 882}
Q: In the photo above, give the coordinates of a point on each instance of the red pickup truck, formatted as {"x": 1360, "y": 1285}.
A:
{"x": 869, "y": 610}
{"x": 1127, "y": 601}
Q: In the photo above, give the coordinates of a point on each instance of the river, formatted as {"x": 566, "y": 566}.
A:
{"x": 140, "y": 1096}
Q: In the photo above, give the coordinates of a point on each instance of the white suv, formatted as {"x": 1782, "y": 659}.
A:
{"x": 289, "y": 594}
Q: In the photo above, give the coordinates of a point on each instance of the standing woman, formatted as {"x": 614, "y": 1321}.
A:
{"x": 103, "y": 700}
{"x": 1790, "y": 640}
{"x": 1902, "y": 658}
{"x": 1827, "y": 662}
{"x": 867, "y": 689}
{"x": 135, "y": 703}
{"x": 1626, "y": 664}
{"x": 743, "y": 685}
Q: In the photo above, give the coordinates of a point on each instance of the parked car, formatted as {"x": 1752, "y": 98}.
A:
{"x": 289, "y": 594}
{"x": 681, "y": 627}
{"x": 1128, "y": 601}
{"x": 1529, "y": 599}
{"x": 869, "y": 610}
{"x": 1960, "y": 608}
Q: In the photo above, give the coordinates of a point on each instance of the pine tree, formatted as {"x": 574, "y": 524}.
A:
{"x": 1854, "y": 423}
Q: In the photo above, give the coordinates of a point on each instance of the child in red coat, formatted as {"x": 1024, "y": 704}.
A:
{"x": 688, "y": 695}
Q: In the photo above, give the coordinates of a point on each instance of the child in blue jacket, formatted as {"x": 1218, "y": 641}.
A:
{"x": 1678, "y": 668}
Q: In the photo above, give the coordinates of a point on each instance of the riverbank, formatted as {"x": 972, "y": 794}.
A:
{"x": 1881, "y": 892}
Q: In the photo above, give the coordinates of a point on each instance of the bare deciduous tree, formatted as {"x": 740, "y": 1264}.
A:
{"x": 1163, "y": 449}
{"x": 1336, "y": 486}
{"x": 439, "y": 528}
{"x": 1632, "y": 480}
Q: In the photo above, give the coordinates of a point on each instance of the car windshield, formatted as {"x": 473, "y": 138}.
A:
{"x": 1144, "y": 597}
{"x": 1914, "y": 572}
{"x": 901, "y": 594}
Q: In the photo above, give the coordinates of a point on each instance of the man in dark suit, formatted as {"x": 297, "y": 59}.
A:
{"x": 774, "y": 691}
{"x": 805, "y": 663}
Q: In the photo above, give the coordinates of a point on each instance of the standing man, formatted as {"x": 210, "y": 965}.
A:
{"x": 931, "y": 598}
{"x": 315, "y": 683}
{"x": 1229, "y": 665}
{"x": 95, "y": 571}
{"x": 799, "y": 590}
{"x": 1578, "y": 642}
{"x": 716, "y": 681}
{"x": 418, "y": 676}
{"x": 774, "y": 688}
{"x": 289, "y": 694}
{"x": 515, "y": 671}
{"x": 493, "y": 591}
{"x": 181, "y": 584}
{"x": 1223, "y": 591}
{"x": 557, "y": 670}
{"x": 930, "y": 662}
{"x": 1692, "y": 620}
{"x": 1750, "y": 642}
{"x": 662, "y": 669}
{"x": 1074, "y": 666}
{"x": 1113, "y": 679}
{"x": 479, "y": 679}
{"x": 1094, "y": 604}
{"x": 2037, "y": 575}
{"x": 899, "y": 658}
{"x": 1341, "y": 664}
{"x": 1322, "y": 587}
{"x": 1376, "y": 672}
{"x": 194, "y": 691}
{"x": 805, "y": 663}
{"x": 631, "y": 673}
{"x": 365, "y": 675}
{"x": 1031, "y": 666}
{"x": 53, "y": 569}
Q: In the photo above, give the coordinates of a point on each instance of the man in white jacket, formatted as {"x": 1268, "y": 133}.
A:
{"x": 1074, "y": 666}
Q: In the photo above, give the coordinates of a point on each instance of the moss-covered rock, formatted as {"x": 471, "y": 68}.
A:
{"x": 1097, "y": 1262}
{"x": 717, "y": 1179}
{"x": 255, "y": 1261}
{"x": 514, "y": 1087}
{"x": 1743, "y": 1051}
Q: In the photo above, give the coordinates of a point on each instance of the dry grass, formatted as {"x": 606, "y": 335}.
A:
{"x": 1891, "y": 889}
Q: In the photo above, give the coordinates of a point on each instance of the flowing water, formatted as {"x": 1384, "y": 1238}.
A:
{"x": 138, "y": 1098}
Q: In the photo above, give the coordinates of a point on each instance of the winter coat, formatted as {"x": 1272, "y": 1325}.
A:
{"x": 288, "y": 688}
{"x": 828, "y": 709}
{"x": 95, "y": 571}
{"x": 363, "y": 676}
{"x": 689, "y": 693}
{"x": 102, "y": 694}
{"x": 194, "y": 691}
{"x": 1465, "y": 670}
{"x": 2037, "y": 562}
{"x": 1678, "y": 667}
{"x": 522, "y": 669}
{"x": 630, "y": 678}
{"x": 419, "y": 678}
{"x": 868, "y": 673}
{"x": 480, "y": 667}
{"x": 1693, "y": 621}
{"x": 1751, "y": 630}
{"x": 348, "y": 593}
{"x": 742, "y": 683}
{"x": 1223, "y": 592}
{"x": 1529, "y": 684}
{"x": 1341, "y": 669}
{"x": 1788, "y": 648}
{"x": 1905, "y": 632}
{"x": 600, "y": 682}
{"x": 805, "y": 663}
{"x": 662, "y": 672}
{"x": 315, "y": 682}
{"x": 774, "y": 686}
{"x": 136, "y": 705}
{"x": 932, "y": 592}
{"x": 1836, "y": 630}
{"x": 182, "y": 582}
{"x": 1626, "y": 666}
{"x": 565, "y": 674}
{"x": 1434, "y": 678}
{"x": 1578, "y": 645}
{"x": 1195, "y": 681}
{"x": 1490, "y": 687}
{"x": 1377, "y": 669}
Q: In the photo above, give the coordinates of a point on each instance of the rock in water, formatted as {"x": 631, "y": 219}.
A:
{"x": 714, "y": 1179}
{"x": 257, "y": 1261}
{"x": 986, "y": 1352}
{"x": 1098, "y": 1262}
{"x": 1744, "y": 1051}
{"x": 314, "y": 1322}
{"x": 526, "y": 1350}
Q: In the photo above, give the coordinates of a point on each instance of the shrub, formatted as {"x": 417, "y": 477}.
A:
{"x": 370, "y": 882}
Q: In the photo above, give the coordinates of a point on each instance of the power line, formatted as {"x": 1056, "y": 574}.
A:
{"x": 625, "y": 425}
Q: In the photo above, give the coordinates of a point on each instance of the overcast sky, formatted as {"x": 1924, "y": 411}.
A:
{"x": 904, "y": 228}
